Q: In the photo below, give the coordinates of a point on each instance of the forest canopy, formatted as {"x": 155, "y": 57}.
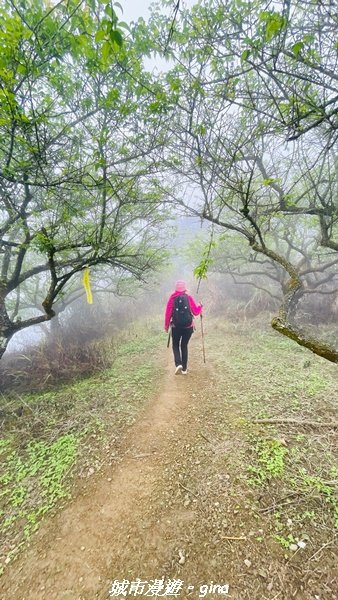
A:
{"x": 239, "y": 127}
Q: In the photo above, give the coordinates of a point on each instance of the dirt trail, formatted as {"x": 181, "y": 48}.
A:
{"x": 176, "y": 505}
{"x": 122, "y": 526}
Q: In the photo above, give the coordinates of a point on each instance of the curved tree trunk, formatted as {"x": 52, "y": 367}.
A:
{"x": 294, "y": 333}
{"x": 284, "y": 324}
{"x": 284, "y": 321}
{"x": 8, "y": 327}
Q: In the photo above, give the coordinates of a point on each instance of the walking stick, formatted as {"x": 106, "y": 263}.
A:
{"x": 202, "y": 339}
{"x": 168, "y": 342}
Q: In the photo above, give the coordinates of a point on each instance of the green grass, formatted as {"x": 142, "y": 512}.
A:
{"x": 61, "y": 432}
{"x": 269, "y": 455}
{"x": 289, "y": 472}
{"x": 41, "y": 469}
{"x": 315, "y": 483}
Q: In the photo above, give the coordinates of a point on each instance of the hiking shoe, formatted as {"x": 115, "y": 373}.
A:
{"x": 185, "y": 372}
{"x": 178, "y": 370}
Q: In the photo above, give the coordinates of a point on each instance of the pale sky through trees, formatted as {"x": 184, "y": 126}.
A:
{"x": 133, "y": 9}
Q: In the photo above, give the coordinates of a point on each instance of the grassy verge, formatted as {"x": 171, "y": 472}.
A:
{"x": 50, "y": 438}
{"x": 287, "y": 472}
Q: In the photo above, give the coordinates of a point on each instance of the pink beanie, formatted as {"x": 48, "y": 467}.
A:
{"x": 180, "y": 286}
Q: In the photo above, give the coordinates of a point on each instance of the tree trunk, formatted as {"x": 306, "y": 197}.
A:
{"x": 294, "y": 333}
{"x": 3, "y": 345}
{"x": 5, "y": 322}
{"x": 8, "y": 328}
{"x": 284, "y": 324}
{"x": 55, "y": 327}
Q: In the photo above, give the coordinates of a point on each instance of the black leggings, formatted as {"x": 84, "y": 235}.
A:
{"x": 182, "y": 335}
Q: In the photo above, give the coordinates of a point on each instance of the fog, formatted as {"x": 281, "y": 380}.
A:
{"x": 239, "y": 282}
{"x": 119, "y": 303}
{"x": 239, "y": 285}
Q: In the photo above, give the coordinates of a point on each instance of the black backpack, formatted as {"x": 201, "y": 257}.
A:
{"x": 182, "y": 316}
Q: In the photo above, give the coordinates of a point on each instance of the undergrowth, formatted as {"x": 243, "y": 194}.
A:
{"x": 39, "y": 471}
{"x": 48, "y": 438}
{"x": 289, "y": 470}
{"x": 270, "y": 461}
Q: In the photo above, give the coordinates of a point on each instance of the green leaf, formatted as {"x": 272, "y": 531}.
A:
{"x": 308, "y": 38}
{"x": 116, "y": 37}
{"x": 21, "y": 69}
{"x": 118, "y": 6}
{"x": 264, "y": 15}
{"x": 274, "y": 24}
{"x": 201, "y": 271}
{"x": 269, "y": 180}
{"x": 105, "y": 50}
{"x": 124, "y": 25}
{"x": 100, "y": 35}
{"x": 109, "y": 11}
{"x": 200, "y": 129}
{"x": 82, "y": 40}
{"x": 245, "y": 55}
{"x": 297, "y": 47}
{"x": 112, "y": 96}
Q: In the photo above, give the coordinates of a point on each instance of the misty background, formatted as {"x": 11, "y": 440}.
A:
{"x": 239, "y": 283}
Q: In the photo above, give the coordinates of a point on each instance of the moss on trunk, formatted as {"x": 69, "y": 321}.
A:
{"x": 316, "y": 346}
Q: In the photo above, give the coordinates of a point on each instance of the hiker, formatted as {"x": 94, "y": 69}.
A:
{"x": 179, "y": 315}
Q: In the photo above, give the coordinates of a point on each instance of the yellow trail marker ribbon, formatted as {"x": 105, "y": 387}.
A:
{"x": 86, "y": 283}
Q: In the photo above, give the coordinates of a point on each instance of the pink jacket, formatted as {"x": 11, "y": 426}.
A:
{"x": 196, "y": 309}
